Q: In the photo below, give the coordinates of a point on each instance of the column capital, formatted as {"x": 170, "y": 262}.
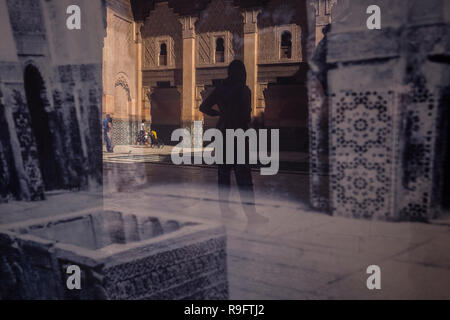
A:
{"x": 188, "y": 26}
{"x": 324, "y": 10}
{"x": 137, "y": 31}
{"x": 250, "y": 20}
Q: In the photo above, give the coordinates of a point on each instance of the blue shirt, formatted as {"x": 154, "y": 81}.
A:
{"x": 105, "y": 124}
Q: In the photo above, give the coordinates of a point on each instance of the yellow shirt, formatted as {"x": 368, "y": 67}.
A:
{"x": 154, "y": 134}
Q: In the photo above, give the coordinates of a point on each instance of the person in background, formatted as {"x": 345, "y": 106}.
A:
{"x": 141, "y": 135}
{"x": 107, "y": 126}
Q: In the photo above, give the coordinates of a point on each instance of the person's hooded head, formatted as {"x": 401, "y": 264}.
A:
{"x": 236, "y": 73}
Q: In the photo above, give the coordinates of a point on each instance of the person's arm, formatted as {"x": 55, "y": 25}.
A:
{"x": 208, "y": 103}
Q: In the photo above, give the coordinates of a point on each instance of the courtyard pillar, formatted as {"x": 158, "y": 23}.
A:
{"x": 388, "y": 103}
{"x": 319, "y": 193}
{"x": 251, "y": 53}
{"x": 139, "y": 89}
{"x": 188, "y": 90}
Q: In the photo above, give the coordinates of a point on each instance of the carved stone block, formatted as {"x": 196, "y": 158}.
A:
{"x": 120, "y": 255}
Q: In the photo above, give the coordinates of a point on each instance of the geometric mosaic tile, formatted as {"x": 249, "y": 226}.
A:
{"x": 361, "y": 154}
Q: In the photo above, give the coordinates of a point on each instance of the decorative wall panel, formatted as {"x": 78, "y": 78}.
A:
{"x": 162, "y": 24}
{"x": 219, "y": 19}
{"x": 275, "y": 18}
{"x": 362, "y": 153}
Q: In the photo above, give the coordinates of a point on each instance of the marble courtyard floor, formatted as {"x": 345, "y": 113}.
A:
{"x": 298, "y": 254}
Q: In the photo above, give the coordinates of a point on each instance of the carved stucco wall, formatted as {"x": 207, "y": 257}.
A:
{"x": 122, "y": 95}
{"x": 279, "y": 16}
{"x": 119, "y": 74}
{"x": 123, "y": 124}
{"x": 162, "y": 25}
{"x": 119, "y": 56}
{"x": 219, "y": 19}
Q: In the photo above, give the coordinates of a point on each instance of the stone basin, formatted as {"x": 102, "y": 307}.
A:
{"x": 120, "y": 255}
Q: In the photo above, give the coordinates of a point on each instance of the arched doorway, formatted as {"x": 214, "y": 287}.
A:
{"x": 40, "y": 124}
{"x": 122, "y": 122}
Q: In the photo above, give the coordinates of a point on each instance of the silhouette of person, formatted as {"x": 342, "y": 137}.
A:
{"x": 233, "y": 99}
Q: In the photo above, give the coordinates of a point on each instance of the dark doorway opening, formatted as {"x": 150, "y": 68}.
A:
{"x": 287, "y": 110}
{"x": 165, "y": 112}
{"x": 35, "y": 92}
